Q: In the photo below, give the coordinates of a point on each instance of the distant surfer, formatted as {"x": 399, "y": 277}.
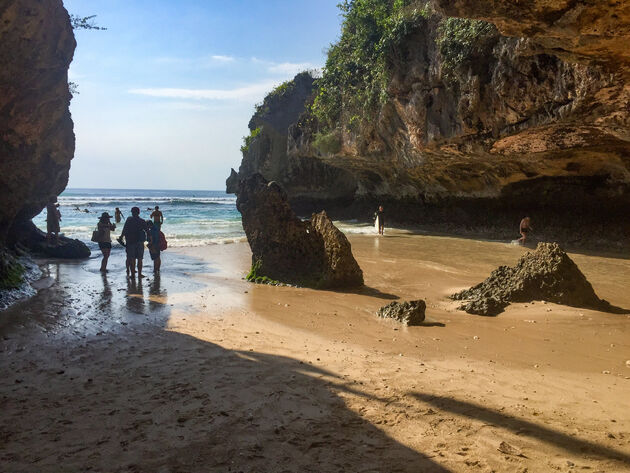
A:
{"x": 524, "y": 229}
{"x": 379, "y": 220}
{"x": 118, "y": 215}
{"x": 157, "y": 216}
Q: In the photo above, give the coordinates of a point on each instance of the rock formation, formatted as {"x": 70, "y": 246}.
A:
{"x": 582, "y": 31}
{"x": 546, "y": 274}
{"x": 531, "y": 117}
{"x": 285, "y": 248}
{"x": 408, "y": 312}
{"x": 36, "y": 130}
{"x": 29, "y": 237}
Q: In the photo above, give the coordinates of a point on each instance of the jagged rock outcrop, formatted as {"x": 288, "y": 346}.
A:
{"x": 285, "y": 248}
{"x": 408, "y": 312}
{"x": 265, "y": 151}
{"x": 546, "y": 274}
{"x": 530, "y": 118}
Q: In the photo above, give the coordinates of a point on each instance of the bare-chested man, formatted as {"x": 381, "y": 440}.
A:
{"x": 524, "y": 228}
{"x": 158, "y": 217}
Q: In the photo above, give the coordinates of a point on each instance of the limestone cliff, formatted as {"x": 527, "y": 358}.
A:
{"x": 479, "y": 124}
{"x": 36, "y": 130}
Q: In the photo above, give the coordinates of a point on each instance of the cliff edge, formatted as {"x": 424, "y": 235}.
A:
{"x": 36, "y": 131}
{"x": 465, "y": 115}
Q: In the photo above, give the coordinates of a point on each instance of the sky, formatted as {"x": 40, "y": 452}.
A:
{"x": 166, "y": 92}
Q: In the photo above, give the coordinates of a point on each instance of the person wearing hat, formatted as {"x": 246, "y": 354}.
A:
{"x": 105, "y": 226}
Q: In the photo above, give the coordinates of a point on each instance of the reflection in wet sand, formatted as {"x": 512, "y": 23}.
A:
{"x": 157, "y": 294}
{"x": 135, "y": 296}
{"x": 106, "y": 295}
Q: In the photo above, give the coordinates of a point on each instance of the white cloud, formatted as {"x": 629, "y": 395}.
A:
{"x": 248, "y": 92}
{"x": 290, "y": 68}
{"x": 285, "y": 68}
{"x": 220, "y": 58}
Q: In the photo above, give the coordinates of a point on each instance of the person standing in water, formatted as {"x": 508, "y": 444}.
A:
{"x": 53, "y": 216}
{"x": 134, "y": 233}
{"x": 105, "y": 226}
{"x": 158, "y": 217}
{"x": 118, "y": 215}
{"x": 524, "y": 228}
{"x": 154, "y": 245}
{"x": 380, "y": 216}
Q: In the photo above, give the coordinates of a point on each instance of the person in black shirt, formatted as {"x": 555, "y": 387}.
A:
{"x": 135, "y": 235}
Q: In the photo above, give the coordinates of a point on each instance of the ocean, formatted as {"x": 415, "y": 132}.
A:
{"x": 191, "y": 218}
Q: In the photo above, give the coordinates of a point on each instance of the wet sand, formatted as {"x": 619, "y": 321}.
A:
{"x": 200, "y": 371}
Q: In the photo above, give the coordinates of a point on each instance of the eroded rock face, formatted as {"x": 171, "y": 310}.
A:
{"x": 590, "y": 31}
{"x": 535, "y": 122}
{"x": 546, "y": 274}
{"x": 284, "y": 248}
{"x": 409, "y": 312}
{"x": 36, "y": 130}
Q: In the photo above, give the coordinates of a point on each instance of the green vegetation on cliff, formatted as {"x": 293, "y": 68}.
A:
{"x": 359, "y": 66}
{"x": 247, "y": 140}
{"x": 462, "y": 43}
{"x": 11, "y": 272}
{"x": 356, "y": 75}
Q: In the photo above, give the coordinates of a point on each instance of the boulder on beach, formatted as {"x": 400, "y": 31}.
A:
{"x": 27, "y": 235}
{"x": 311, "y": 253}
{"x": 544, "y": 274}
{"x": 408, "y": 312}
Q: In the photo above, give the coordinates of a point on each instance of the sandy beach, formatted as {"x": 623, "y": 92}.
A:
{"x": 201, "y": 371}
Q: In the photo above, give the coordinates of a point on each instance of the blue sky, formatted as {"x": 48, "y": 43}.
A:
{"x": 166, "y": 92}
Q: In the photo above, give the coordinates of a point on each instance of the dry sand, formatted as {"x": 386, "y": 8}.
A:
{"x": 200, "y": 371}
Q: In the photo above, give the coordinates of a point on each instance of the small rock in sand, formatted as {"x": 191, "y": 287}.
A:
{"x": 408, "y": 312}
{"x": 508, "y": 449}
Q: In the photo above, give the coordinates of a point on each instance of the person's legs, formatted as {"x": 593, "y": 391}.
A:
{"x": 130, "y": 259}
{"x": 157, "y": 262}
{"x": 139, "y": 256}
{"x": 106, "y": 252}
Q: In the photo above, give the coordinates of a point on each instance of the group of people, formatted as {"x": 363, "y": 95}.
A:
{"x": 134, "y": 233}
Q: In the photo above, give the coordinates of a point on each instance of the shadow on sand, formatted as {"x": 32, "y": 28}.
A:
{"x": 522, "y": 427}
{"x": 143, "y": 398}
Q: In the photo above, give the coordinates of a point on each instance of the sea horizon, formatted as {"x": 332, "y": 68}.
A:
{"x": 192, "y": 217}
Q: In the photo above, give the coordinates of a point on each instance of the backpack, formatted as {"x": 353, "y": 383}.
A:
{"x": 163, "y": 242}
